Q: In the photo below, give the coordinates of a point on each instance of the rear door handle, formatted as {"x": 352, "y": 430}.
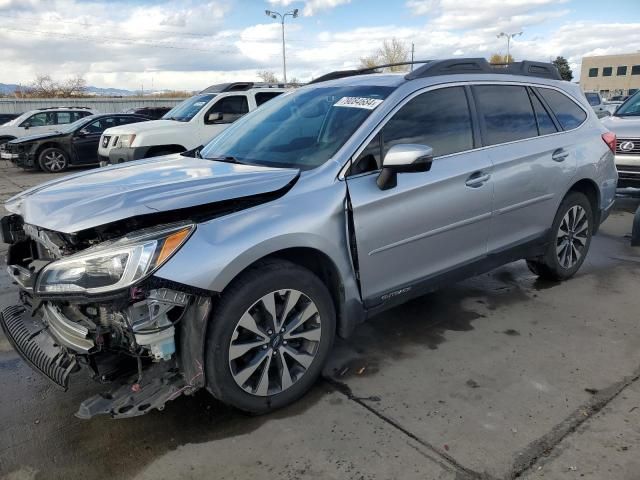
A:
{"x": 477, "y": 179}
{"x": 559, "y": 155}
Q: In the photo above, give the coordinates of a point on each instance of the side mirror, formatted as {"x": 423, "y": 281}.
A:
{"x": 26, "y": 126}
{"x": 83, "y": 133}
{"x": 214, "y": 117}
{"x": 403, "y": 158}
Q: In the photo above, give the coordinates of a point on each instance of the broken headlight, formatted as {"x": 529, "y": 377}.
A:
{"x": 112, "y": 267}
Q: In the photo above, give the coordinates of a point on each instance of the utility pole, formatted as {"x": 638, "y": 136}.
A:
{"x": 413, "y": 48}
{"x": 509, "y": 37}
{"x": 275, "y": 15}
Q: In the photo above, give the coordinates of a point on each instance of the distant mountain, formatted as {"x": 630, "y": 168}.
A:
{"x": 110, "y": 92}
{"x": 9, "y": 88}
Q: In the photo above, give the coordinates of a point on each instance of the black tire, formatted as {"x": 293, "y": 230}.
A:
{"x": 53, "y": 160}
{"x": 554, "y": 265}
{"x": 244, "y": 293}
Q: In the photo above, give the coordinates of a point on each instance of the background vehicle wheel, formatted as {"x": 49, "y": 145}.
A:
{"x": 569, "y": 240}
{"x": 269, "y": 337}
{"x": 53, "y": 160}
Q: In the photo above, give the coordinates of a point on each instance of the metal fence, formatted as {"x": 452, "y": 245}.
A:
{"x": 102, "y": 105}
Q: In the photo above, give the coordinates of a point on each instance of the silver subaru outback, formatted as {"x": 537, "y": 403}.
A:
{"x": 234, "y": 271}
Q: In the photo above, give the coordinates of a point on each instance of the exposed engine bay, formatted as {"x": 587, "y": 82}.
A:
{"x": 90, "y": 304}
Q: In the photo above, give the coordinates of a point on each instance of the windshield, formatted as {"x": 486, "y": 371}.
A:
{"x": 630, "y": 108}
{"x": 302, "y": 129}
{"x": 185, "y": 111}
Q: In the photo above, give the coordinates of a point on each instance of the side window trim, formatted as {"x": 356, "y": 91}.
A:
{"x": 545, "y": 105}
{"x": 475, "y": 117}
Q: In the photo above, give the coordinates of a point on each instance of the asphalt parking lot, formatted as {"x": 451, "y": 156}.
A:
{"x": 500, "y": 376}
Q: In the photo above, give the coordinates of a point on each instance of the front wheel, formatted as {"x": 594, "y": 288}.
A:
{"x": 269, "y": 337}
{"x": 53, "y": 160}
{"x": 569, "y": 240}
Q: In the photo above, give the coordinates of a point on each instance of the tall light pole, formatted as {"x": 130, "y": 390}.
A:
{"x": 292, "y": 14}
{"x": 509, "y": 37}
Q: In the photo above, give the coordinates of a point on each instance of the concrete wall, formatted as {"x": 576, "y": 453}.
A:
{"x": 103, "y": 105}
{"x": 614, "y": 84}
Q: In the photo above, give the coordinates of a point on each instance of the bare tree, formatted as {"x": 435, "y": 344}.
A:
{"x": 43, "y": 87}
{"x": 73, "y": 87}
{"x": 267, "y": 76}
{"x": 46, "y": 87}
{"x": 391, "y": 51}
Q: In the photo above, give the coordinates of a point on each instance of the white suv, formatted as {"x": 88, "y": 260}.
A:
{"x": 40, "y": 121}
{"x": 186, "y": 126}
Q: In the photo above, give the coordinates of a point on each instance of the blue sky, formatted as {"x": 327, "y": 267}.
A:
{"x": 191, "y": 43}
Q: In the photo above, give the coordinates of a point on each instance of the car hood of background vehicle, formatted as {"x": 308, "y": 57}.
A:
{"x": 37, "y": 136}
{"x": 140, "y": 127}
{"x": 98, "y": 197}
{"x": 623, "y": 127}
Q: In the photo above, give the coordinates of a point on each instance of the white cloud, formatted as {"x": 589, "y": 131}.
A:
{"x": 311, "y": 7}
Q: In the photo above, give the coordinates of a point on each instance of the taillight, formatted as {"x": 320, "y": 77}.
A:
{"x": 610, "y": 139}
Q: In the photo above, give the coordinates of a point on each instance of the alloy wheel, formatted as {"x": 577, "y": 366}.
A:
{"x": 274, "y": 342}
{"x": 55, "y": 161}
{"x": 572, "y": 236}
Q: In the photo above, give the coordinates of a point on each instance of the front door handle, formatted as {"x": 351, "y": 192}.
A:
{"x": 477, "y": 179}
{"x": 559, "y": 155}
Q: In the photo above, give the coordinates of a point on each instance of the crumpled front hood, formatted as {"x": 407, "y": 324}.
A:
{"x": 98, "y": 197}
{"x": 623, "y": 127}
{"x": 37, "y": 136}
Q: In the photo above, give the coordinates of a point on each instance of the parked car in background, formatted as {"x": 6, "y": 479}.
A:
{"x": 191, "y": 123}
{"x": 598, "y": 105}
{"x": 625, "y": 123}
{"x": 235, "y": 271}
{"x": 41, "y": 120}
{"x": 6, "y": 117}
{"x": 71, "y": 145}
{"x": 153, "y": 113}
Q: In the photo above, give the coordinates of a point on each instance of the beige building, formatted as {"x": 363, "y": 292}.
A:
{"x": 611, "y": 74}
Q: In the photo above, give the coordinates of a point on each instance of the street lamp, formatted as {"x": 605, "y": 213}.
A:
{"x": 509, "y": 37}
{"x": 292, "y": 14}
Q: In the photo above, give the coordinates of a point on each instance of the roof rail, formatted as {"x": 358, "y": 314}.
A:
{"x": 62, "y": 106}
{"x": 432, "y": 68}
{"x": 361, "y": 71}
{"x": 480, "y": 65}
{"x": 241, "y": 86}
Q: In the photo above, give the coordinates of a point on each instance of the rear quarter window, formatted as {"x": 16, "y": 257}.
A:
{"x": 569, "y": 114}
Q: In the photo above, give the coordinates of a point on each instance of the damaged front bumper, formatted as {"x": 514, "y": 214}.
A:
{"x": 147, "y": 339}
{"x": 59, "y": 348}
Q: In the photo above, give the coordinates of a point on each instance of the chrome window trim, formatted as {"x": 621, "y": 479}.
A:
{"x": 408, "y": 98}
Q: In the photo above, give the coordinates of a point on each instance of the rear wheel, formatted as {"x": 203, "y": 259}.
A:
{"x": 569, "y": 240}
{"x": 269, "y": 337}
{"x": 53, "y": 160}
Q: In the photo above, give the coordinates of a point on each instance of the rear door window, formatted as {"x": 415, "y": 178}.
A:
{"x": 262, "y": 97}
{"x": 568, "y": 113}
{"x": 506, "y": 113}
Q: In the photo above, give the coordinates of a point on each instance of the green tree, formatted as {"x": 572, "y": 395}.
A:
{"x": 563, "y": 67}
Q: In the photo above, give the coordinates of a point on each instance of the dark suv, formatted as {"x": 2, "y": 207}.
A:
{"x": 74, "y": 144}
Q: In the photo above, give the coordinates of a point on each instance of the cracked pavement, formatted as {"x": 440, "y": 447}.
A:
{"x": 500, "y": 376}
